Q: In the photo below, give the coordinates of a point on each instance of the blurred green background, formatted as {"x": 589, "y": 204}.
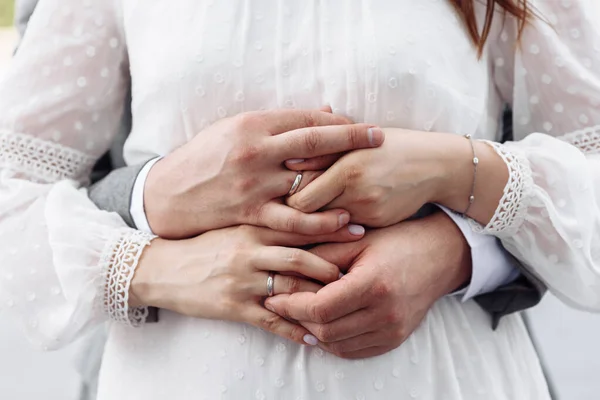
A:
{"x": 6, "y": 12}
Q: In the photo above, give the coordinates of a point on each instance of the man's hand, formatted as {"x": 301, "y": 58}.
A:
{"x": 394, "y": 275}
{"x": 232, "y": 173}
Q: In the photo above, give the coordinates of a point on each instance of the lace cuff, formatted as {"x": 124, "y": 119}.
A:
{"x": 119, "y": 261}
{"x": 515, "y": 200}
{"x": 586, "y": 140}
{"x": 41, "y": 160}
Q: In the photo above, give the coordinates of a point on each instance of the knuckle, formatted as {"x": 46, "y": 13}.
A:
{"x": 331, "y": 274}
{"x": 372, "y": 197}
{"x": 302, "y": 202}
{"x": 312, "y": 139}
{"x": 353, "y": 174}
{"x": 296, "y": 334}
{"x": 394, "y": 317}
{"x": 319, "y": 313}
{"x": 291, "y": 224}
{"x": 354, "y": 134}
{"x": 367, "y": 199}
{"x": 376, "y": 217}
{"x": 336, "y": 349}
{"x": 245, "y": 154}
{"x": 252, "y": 213}
{"x": 294, "y": 257}
{"x": 232, "y": 308}
{"x": 228, "y": 286}
{"x": 269, "y": 322}
{"x": 245, "y": 183}
{"x": 398, "y": 336}
{"x": 326, "y": 334}
{"x": 309, "y": 119}
{"x": 294, "y": 284}
{"x": 381, "y": 288}
{"x": 246, "y": 120}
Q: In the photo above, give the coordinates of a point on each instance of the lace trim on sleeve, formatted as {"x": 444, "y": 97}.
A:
{"x": 41, "y": 160}
{"x": 119, "y": 261}
{"x": 587, "y": 140}
{"x": 515, "y": 200}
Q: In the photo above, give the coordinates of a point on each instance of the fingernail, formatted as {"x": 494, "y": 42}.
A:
{"x": 295, "y": 161}
{"x": 343, "y": 219}
{"x": 356, "y": 230}
{"x": 375, "y": 136}
{"x": 310, "y": 340}
{"x": 269, "y": 307}
{"x": 341, "y": 275}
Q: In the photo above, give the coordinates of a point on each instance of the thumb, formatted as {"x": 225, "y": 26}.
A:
{"x": 341, "y": 255}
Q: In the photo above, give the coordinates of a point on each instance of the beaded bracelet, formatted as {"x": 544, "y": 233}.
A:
{"x": 475, "y": 163}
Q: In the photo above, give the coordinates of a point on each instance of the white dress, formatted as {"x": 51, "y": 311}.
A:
{"x": 65, "y": 265}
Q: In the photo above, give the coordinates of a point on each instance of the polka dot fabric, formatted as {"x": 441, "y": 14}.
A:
{"x": 402, "y": 64}
{"x": 549, "y": 215}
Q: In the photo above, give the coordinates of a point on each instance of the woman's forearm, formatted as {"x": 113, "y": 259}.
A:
{"x": 491, "y": 178}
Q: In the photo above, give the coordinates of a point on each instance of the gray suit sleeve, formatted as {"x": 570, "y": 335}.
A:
{"x": 113, "y": 192}
{"x": 525, "y": 292}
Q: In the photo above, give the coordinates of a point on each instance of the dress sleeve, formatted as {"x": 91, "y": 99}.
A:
{"x": 549, "y": 215}
{"x": 64, "y": 265}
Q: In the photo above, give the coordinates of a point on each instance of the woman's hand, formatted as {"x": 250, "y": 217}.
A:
{"x": 385, "y": 185}
{"x": 222, "y": 274}
{"x": 232, "y": 173}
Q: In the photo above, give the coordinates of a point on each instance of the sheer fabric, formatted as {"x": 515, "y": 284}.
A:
{"x": 549, "y": 216}
{"x": 65, "y": 265}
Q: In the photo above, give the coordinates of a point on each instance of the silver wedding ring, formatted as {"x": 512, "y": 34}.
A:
{"x": 296, "y": 184}
{"x": 271, "y": 284}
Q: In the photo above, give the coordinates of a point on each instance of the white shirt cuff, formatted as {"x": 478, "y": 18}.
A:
{"x": 136, "y": 207}
{"x": 492, "y": 266}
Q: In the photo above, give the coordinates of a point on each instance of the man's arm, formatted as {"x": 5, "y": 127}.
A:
{"x": 523, "y": 293}
{"x": 500, "y": 284}
{"x": 113, "y": 192}
{"x": 495, "y": 289}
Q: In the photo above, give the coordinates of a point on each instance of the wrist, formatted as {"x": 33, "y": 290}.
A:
{"x": 451, "y": 250}
{"x": 485, "y": 181}
{"x": 159, "y": 204}
{"x": 145, "y": 289}
{"x": 456, "y": 163}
